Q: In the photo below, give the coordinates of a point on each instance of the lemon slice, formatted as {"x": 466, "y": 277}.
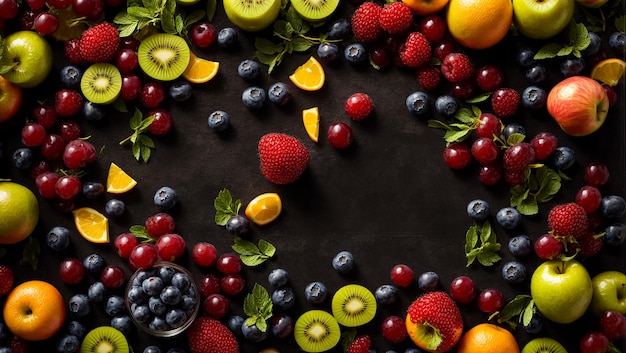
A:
{"x": 264, "y": 208}
{"x": 118, "y": 181}
{"x": 200, "y": 70}
{"x": 309, "y": 76}
{"x": 311, "y": 121}
{"x": 609, "y": 71}
{"x": 91, "y": 224}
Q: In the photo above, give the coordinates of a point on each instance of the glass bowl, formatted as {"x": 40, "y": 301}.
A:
{"x": 162, "y": 300}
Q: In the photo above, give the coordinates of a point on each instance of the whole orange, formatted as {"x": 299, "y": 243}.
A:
{"x": 425, "y": 7}
{"x": 479, "y": 24}
{"x": 487, "y": 338}
{"x": 34, "y": 310}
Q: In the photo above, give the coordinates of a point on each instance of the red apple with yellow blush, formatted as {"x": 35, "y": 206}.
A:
{"x": 10, "y": 99}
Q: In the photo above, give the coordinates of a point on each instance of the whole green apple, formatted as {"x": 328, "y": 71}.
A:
{"x": 30, "y": 57}
{"x": 561, "y": 290}
{"x": 10, "y": 99}
{"x": 541, "y": 19}
{"x": 609, "y": 292}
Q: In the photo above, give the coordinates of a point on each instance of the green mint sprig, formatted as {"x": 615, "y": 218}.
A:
{"x": 522, "y": 306}
{"x": 481, "y": 244}
{"x": 142, "y": 145}
{"x": 225, "y": 207}
{"x": 464, "y": 121}
{"x": 258, "y": 306}
{"x": 141, "y": 233}
{"x": 541, "y": 184}
{"x": 252, "y": 255}
{"x": 578, "y": 40}
{"x": 147, "y": 15}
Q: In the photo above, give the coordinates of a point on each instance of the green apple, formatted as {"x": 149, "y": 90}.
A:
{"x": 541, "y": 19}
{"x": 252, "y": 16}
{"x": 592, "y": 3}
{"x": 561, "y": 290}
{"x": 10, "y": 99}
{"x": 28, "y": 57}
{"x": 609, "y": 292}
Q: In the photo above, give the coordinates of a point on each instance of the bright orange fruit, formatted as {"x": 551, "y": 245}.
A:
{"x": 91, "y": 224}
{"x": 118, "y": 181}
{"x": 425, "y": 7}
{"x": 479, "y": 24}
{"x": 264, "y": 208}
{"x": 200, "y": 70}
{"x": 487, "y": 338}
{"x": 309, "y": 76}
{"x": 609, "y": 71}
{"x": 311, "y": 121}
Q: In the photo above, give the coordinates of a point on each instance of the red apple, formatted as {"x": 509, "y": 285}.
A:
{"x": 579, "y": 105}
{"x": 10, "y": 99}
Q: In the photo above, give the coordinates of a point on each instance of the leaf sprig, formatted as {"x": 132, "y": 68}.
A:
{"x": 463, "y": 123}
{"x": 143, "y": 16}
{"x": 142, "y": 144}
{"x": 482, "y": 244}
{"x": 253, "y": 255}
{"x": 578, "y": 40}
{"x": 225, "y": 207}
{"x": 141, "y": 233}
{"x": 258, "y": 306}
{"x": 522, "y": 307}
{"x": 541, "y": 184}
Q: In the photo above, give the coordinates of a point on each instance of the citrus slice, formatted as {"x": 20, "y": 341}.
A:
{"x": 200, "y": 70}
{"x": 311, "y": 121}
{"x": 91, "y": 224}
{"x": 118, "y": 181}
{"x": 609, "y": 71}
{"x": 264, "y": 208}
{"x": 309, "y": 76}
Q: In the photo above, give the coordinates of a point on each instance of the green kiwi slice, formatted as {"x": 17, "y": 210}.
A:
{"x": 316, "y": 331}
{"x": 101, "y": 83}
{"x": 252, "y": 15}
{"x": 163, "y": 56}
{"x": 543, "y": 345}
{"x": 315, "y": 10}
{"x": 104, "y": 339}
{"x": 353, "y": 305}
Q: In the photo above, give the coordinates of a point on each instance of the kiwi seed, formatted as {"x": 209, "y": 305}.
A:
{"x": 543, "y": 345}
{"x": 163, "y": 56}
{"x": 315, "y": 10}
{"x": 316, "y": 331}
{"x": 101, "y": 83}
{"x": 353, "y": 305}
{"x": 104, "y": 339}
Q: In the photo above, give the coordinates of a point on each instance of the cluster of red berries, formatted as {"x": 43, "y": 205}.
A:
{"x": 216, "y": 288}
{"x": 611, "y": 327}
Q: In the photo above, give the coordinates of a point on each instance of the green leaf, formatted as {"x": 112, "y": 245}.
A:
{"x": 266, "y": 46}
{"x": 295, "y": 20}
{"x": 168, "y": 23}
{"x": 481, "y": 244}
{"x": 456, "y": 136}
{"x": 471, "y": 238}
{"x": 465, "y": 115}
{"x": 145, "y": 141}
{"x": 300, "y": 44}
{"x": 127, "y": 30}
{"x": 283, "y": 28}
{"x": 261, "y": 324}
{"x": 515, "y": 138}
{"x": 478, "y": 99}
{"x": 252, "y": 255}
{"x": 436, "y": 124}
{"x": 263, "y": 58}
{"x": 30, "y": 254}
{"x": 225, "y": 207}
{"x": 258, "y": 306}
{"x": 211, "y": 7}
{"x": 140, "y": 13}
{"x": 124, "y": 18}
{"x": 252, "y": 260}
{"x": 266, "y": 248}
{"x": 527, "y": 314}
{"x": 245, "y": 247}
{"x": 565, "y": 51}
{"x": 136, "y": 149}
{"x": 194, "y": 17}
{"x": 141, "y": 233}
{"x": 145, "y": 123}
{"x": 548, "y": 51}
{"x": 620, "y": 23}
{"x": 515, "y": 307}
{"x": 136, "y": 120}
{"x": 488, "y": 258}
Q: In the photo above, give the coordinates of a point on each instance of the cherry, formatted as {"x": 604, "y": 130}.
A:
{"x": 112, "y": 276}
{"x": 402, "y": 275}
{"x": 46, "y": 23}
{"x": 125, "y": 243}
{"x": 162, "y": 122}
{"x": 229, "y": 263}
{"x": 489, "y": 78}
{"x": 38, "y": 168}
{"x": 170, "y": 246}
{"x": 209, "y": 284}
{"x": 485, "y": 150}
{"x": 339, "y": 135}
{"x": 131, "y": 43}
{"x": 72, "y": 271}
{"x": 69, "y": 130}
{"x": 143, "y": 256}
{"x": 159, "y": 224}
{"x": 589, "y": 198}
{"x": 463, "y": 289}
{"x": 216, "y": 306}
{"x": 490, "y": 174}
{"x": 433, "y": 27}
{"x": 443, "y": 48}
{"x": 126, "y": 60}
{"x": 489, "y": 125}
{"x": 52, "y": 147}
{"x": 203, "y": 34}
{"x": 60, "y": 4}
{"x": 36, "y": 4}
{"x": 152, "y": 94}
{"x": 8, "y": 9}
{"x": 78, "y": 153}
{"x": 90, "y": 9}
{"x": 393, "y": 329}
{"x": 613, "y": 325}
{"x": 46, "y": 183}
{"x": 233, "y": 284}
{"x": 464, "y": 89}
{"x": 547, "y": 247}
{"x": 45, "y": 115}
{"x": 33, "y": 134}
{"x": 545, "y": 144}
{"x": 457, "y": 155}
{"x": 204, "y": 254}
{"x": 68, "y": 186}
{"x": 490, "y": 300}
{"x": 594, "y": 342}
{"x": 596, "y": 174}
{"x": 131, "y": 87}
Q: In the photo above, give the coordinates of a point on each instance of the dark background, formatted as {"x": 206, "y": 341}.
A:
{"x": 388, "y": 199}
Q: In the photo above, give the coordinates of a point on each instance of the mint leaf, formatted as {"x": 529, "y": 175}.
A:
{"x": 620, "y": 23}
{"x": 541, "y": 185}
{"x": 141, "y": 233}
{"x": 258, "y": 306}
{"x": 252, "y": 255}
{"x": 141, "y": 145}
{"x": 548, "y": 51}
{"x": 266, "y": 248}
{"x": 225, "y": 207}
{"x": 211, "y": 7}
{"x": 30, "y": 254}
{"x": 481, "y": 244}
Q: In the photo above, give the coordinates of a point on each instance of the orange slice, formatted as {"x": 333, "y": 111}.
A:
{"x": 118, "y": 181}
{"x": 200, "y": 70}
{"x": 264, "y": 208}
{"x": 609, "y": 71}
{"x": 310, "y": 76}
{"x": 91, "y": 224}
{"x": 311, "y": 121}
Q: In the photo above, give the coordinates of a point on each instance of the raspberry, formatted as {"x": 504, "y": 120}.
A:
{"x": 365, "y": 22}
{"x": 360, "y": 344}
{"x": 72, "y": 52}
{"x": 568, "y": 219}
{"x": 416, "y": 51}
{"x": 518, "y": 156}
{"x": 6, "y": 280}
{"x": 396, "y": 17}
{"x": 429, "y": 77}
{"x": 505, "y": 101}
{"x": 457, "y": 67}
{"x": 68, "y": 102}
{"x": 99, "y": 43}
{"x": 358, "y": 106}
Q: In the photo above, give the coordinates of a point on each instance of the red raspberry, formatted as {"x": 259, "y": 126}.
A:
{"x": 568, "y": 219}
{"x": 396, "y": 17}
{"x": 6, "y": 280}
{"x": 589, "y": 244}
{"x": 360, "y": 344}
{"x": 429, "y": 77}
{"x": 99, "y": 43}
{"x": 68, "y": 102}
{"x": 365, "y": 22}
{"x": 72, "y": 52}
{"x": 416, "y": 51}
{"x": 358, "y": 106}
{"x": 457, "y": 67}
{"x": 505, "y": 101}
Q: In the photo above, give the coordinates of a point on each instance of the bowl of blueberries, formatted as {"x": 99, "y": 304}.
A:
{"x": 162, "y": 300}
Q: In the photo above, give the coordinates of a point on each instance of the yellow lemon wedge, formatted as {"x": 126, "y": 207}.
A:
{"x": 91, "y": 224}
{"x": 200, "y": 70}
{"x": 609, "y": 71}
{"x": 309, "y": 76}
{"x": 264, "y": 208}
{"x": 311, "y": 121}
{"x": 118, "y": 181}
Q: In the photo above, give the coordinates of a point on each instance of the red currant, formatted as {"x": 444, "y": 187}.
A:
{"x": 358, "y": 106}
{"x": 489, "y": 78}
{"x": 547, "y": 247}
{"x": 209, "y": 284}
{"x": 443, "y": 48}
{"x": 90, "y": 9}
{"x": 229, "y": 263}
{"x": 402, "y": 275}
{"x": 112, "y": 276}
{"x": 78, "y": 153}
{"x": 204, "y": 254}
{"x": 38, "y": 168}
{"x": 596, "y": 174}
{"x": 457, "y": 155}
{"x": 162, "y": 122}
{"x": 490, "y": 300}
{"x": 232, "y": 284}
{"x": 72, "y": 271}
{"x": 159, "y": 224}
{"x": 33, "y": 134}
{"x": 463, "y": 289}
{"x": 46, "y": 184}
{"x": 131, "y": 43}
{"x": 126, "y": 60}
{"x": 464, "y": 89}
{"x": 170, "y": 246}
{"x": 45, "y": 115}
{"x": 69, "y": 130}
{"x": 131, "y": 87}
{"x": 68, "y": 186}
{"x": 216, "y": 306}
{"x": 485, "y": 150}
{"x": 433, "y": 27}
{"x": 613, "y": 325}
{"x": 143, "y": 256}
{"x": 203, "y": 34}
{"x": 152, "y": 94}
{"x": 393, "y": 329}
{"x": 52, "y": 147}
{"x": 589, "y": 198}
{"x": 594, "y": 342}
{"x": 490, "y": 174}
{"x": 68, "y": 102}
{"x": 8, "y": 9}
{"x": 125, "y": 243}
{"x": 339, "y": 135}
{"x": 544, "y": 144}
{"x": 489, "y": 125}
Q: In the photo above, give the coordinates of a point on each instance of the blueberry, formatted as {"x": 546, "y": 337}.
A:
{"x": 78, "y": 305}
{"x": 508, "y": 217}
{"x": 252, "y": 333}
{"x": 188, "y": 303}
{"x": 355, "y": 53}
{"x": 536, "y": 74}
{"x": 386, "y": 294}
{"x": 96, "y": 292}
{"x": 4, "y": 332}
{"x": 249, "y": 69}
{"x": 175, "y": 350}
{"x": 572, "y": 66}
{"x": 136, "y": 295}
{"x": 93, "y": 112}
{"x": 142, "y": 275}
{"x": 514, "y": 272}
{"x": 278, "y": 277}
{"x": 142, "y": 313}
{"x": 282, "y": 326}
{"x": 170, "y": 295}
{"x": 58, "y": 238}
{"x": 513, "y": 128}
{"x": 152, "y": 349}
{"x": 328, "y": 52}
{"x": 446, "y": 105}
{"x": 115, "y": 306}
{"x": 315, "y": 292}
{"x": 564, "y": 157}
{"x": 536, "y": 323}
{"x": 478, "y": 209}
{"x": 219, "y": 120}
{"x": 22, "y": 158}
{"x": 428, "y": 281}
{"x": 181, "y": 281}
{"x": 93, "y": 189}
{"x": 166, "y": 273}
{"x": 238, "y": 224}
{"x": 617, "y": 42}
{"x": 339, "y": 28}
{"x": 412, "y": 350}
{"x": 115, "y": 208}
{"x": 165, "y": 197}
{"x": 71, "y": 76}
{"x": 418, "y": 103}
{"x": 526, "y": 57}
{"x": 534, "y": 97}
{"x": 180, "y": 91}
{"x": 278, "y": 93}
{"x": 67, "y": 344}
{"x": 615, "y": 234}
{"x": 152, "y": 285}
{"x": 283, "y": 298}
{"x": 76, "y": 328}
{"x": 156, "y": 305}
{"x": 343, "y": 262}
{"x": 94, "y": 263}
{"x": 227, "y": 38}
{"x": 175, "y": 318}
{"x": 520, "y": 245}
{"x": 612, "y": 206}
{"x": 234, "y": 324}
{"x": 6, "y": 350}
{"x": 123, "y": 323}
{"x": 158, "y": 324}
{"x": 595, "y": 42}
{"x": 254, "y": 97}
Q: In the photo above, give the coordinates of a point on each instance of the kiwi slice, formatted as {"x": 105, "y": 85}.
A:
{"x": 163, "y": 56}
{"x": 104, "y": 339}
{"x": 101, "y": 83}
{"x": 315, "y": 10}
{"x": 543, "y": 345}
{"x": 252, "y": 15}
{"x": 316, "y": 331}
{"x": 353, "y": 305}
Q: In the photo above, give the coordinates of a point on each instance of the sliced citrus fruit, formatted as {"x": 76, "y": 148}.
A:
{"x": 609, "y": 71}
{"x": 118, "y": 181}
{"x": 264, "y": 208}
{"x": 311, "y": 121}
{"x": 309, "y": 76}
{"x": 200, "y": 70}
{"x": 91, "y": 224}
